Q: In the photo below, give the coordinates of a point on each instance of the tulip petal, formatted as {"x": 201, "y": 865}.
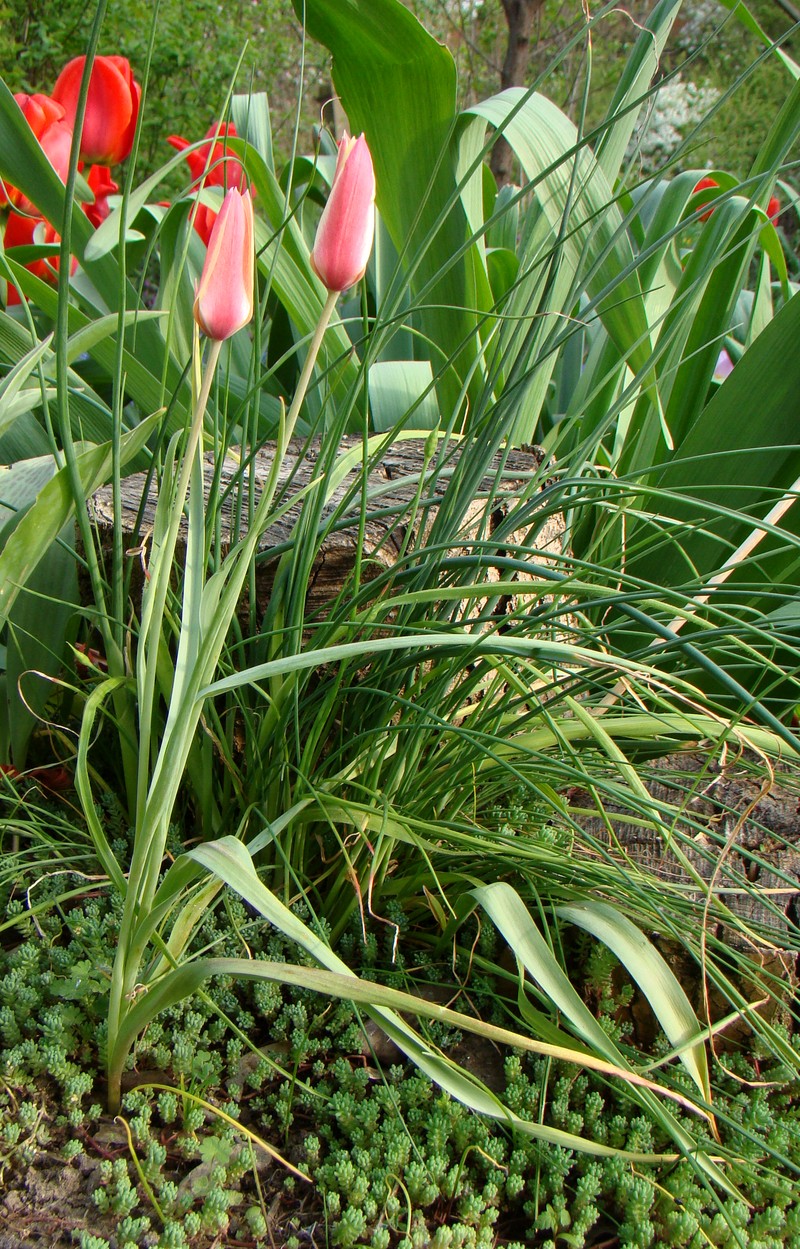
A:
{"x": 112, "y": 106}
{"x": 224, "y": 301}
{"x": 347, "y": 225}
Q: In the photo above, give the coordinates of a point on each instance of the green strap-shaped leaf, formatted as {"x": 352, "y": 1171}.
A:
{"x": 398, "y": 386}
{"x": 54, "y": 505}
{"x": 574, "y": 240}
{"x": 741, "y": 448}
{"x": 636, "y": 77}
{"x": 398, "y": 86}
{"x": 511, "y": 917}
{"x": 669, "y": 1003}
{"x": 229, "y": 860}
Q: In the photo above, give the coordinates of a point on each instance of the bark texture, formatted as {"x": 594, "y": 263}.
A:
{"x": 521, "y": 16}
{"x": 392, "y": 487}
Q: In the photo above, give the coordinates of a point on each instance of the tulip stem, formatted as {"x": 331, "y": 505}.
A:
{"x": 310, "y": 361}
{"x": 154, "y": 810}
{"x": 153, "y": 611}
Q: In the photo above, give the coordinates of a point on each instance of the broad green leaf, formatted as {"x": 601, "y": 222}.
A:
{"x": 13, "y": 382}
{"x": 86, "y": 339}
{"x": 742, "y": 14}
{"x": 511, "y": 917}
{"x": 39, "y": 620}
{"x": 90, "y": 416}
{"x": 398, "y": 86}
{"x": 20, "y": 483}
{"x": 640, "y": 68}
{"x": 377, "y": 1000}
{"x": 251, "y": 117}
{"x": 646, "y": 965}
{"x": 229, "y": 860}
{"x": 739, "y": 451}
{"x": 53, "y": 507}
{"x": 691, "y": 332}
{"x": 24, "y": 401}
{"x": 143, "y": 385}
{"x": 575, "y": 239}
{"x": 401, "y": 394}
{"x": 39, "y": 623}
{"x": 106, "y": 237}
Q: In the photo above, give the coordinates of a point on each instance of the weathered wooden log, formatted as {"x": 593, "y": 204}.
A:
{"x": 391, "y": 488}
{"x": 737, "y": 826}
{"x": 740, "y": 827}
{"x": 736, "y": 823}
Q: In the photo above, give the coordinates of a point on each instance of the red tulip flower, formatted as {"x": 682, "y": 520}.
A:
{"x": 703, "y": 185}
{"x": 224, "y": 300}
{"x": 203, "y": 219}
{"x": 40, "y": 111}
{"x": 347, "y": 225}
{"x": 112, "y": 106}
{"x": 46, "y": 119}
{"x": 773, "y": 207}
{"x": 212, "y": 164}
{"x": 22, "y": 231}
{"x": 103, "y": 185}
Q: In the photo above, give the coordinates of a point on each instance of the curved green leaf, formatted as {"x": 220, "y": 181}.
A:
{"x": 398, "y": 86}
{"x": 658, "y": 983}
{"x": 54, "y": 504}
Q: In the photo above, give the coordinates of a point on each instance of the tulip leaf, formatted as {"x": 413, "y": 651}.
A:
{"x": 23, "y": 401}
{"x": 250, "y": 115}
{"x": 511, "y": 917}
{"x": 742, "y": 14}
{"x": 12, "y": 384}
{"x": 85, "y": 339}
{"x": 398, "y": 86}
{"x": 401, "y": 395}
{"x": 106, "y": 237}
{"x": 230, "y": 861}
{"x": 574, "y": 228}
{"x": 725, "y": 458}
{"x": 54, "y": 505}
{"x": 657, "y": 982}
{"x": 142, "y": 384}
{"x": 638, "y": 72}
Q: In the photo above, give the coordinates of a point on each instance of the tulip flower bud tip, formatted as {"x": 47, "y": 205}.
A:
{"x": 347, "y": 225}
{"x": 224, "y": 300}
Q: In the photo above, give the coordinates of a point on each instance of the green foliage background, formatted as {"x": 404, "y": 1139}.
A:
{"x": 200, "y": 44}
{"x": 195, "y": 57}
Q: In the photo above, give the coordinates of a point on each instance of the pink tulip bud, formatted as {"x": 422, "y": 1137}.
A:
{"x": 224, "y": 300}
{"x": 347, "y": 225}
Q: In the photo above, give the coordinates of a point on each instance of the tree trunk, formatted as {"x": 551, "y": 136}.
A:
{"x": 520, "y": 17}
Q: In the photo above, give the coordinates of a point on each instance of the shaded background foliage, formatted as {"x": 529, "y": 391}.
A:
{"x": 200, "y": 43}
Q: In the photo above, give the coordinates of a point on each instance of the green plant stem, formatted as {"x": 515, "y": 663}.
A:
{"x": 158, "y": 802}
{"x": 114, "y": 656}
{"x": 153, "y": 616}
{"x": 310, "y": 361}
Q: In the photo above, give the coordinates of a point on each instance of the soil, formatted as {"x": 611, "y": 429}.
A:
{"x": 48, "y": 1204}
